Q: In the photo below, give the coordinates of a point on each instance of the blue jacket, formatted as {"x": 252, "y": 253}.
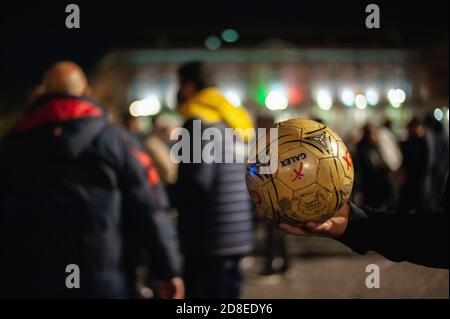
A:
{"x": 76, "y": 190}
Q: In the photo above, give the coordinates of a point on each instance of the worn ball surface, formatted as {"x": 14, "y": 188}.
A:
{"x": 314, "y": 176}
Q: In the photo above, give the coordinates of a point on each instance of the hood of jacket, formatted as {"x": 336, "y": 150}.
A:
{"x": 60, "y": 125}
{"x": 211, "y": 106}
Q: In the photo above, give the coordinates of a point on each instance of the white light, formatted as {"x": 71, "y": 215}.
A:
{"x": 401, "y": 95}
{"x": 146, "y": 107}
{"x": 151, "y": 106}
{"x": 233, "y": 98}
{"x": 275, "y": 100}
{"x": 438, "y": 114}
{"x": 347, "y": 97}
{"x": 361, "y": 102}
{"x": 447, "y": 115}
{"x": 372, "y": 97}
{"x": 396, "y": 97}
{"x": 391, "y": 95}
{"x": 135, "y": 108}
{"x": 324, "y": 99}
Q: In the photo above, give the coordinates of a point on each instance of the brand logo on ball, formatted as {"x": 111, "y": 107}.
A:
{"x": 298, "y": 172}
{"x": 293, "y": 159}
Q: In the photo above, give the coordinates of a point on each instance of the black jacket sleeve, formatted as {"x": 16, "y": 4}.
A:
{"x": 147, "y": 220}
{"x": 420, "y": 239}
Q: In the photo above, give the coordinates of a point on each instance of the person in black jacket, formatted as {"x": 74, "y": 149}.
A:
{"x": 214, "y": 208}
{"x": 372, "y": 172}
{"x": 75, "y": 191}
{"x": 414, "y": 194}
{"x": 417, "y": 238}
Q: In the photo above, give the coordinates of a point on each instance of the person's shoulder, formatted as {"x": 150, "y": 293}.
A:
{"x": 114, "y": 132}
{"x": 112, "y": 141}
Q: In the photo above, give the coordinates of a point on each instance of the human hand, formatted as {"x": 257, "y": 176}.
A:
{"x": 333, "y": 227}
{"x": 170, "y": 289}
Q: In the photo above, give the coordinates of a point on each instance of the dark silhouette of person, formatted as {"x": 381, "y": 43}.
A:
{"x": 438, "y": 160}
{"x": 413, "y": 194}
{"x": 372, "y": 173}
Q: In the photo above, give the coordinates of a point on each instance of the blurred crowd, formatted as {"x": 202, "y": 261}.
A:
{"x": 76, "y": 188}
{"x": 406, "y": 175}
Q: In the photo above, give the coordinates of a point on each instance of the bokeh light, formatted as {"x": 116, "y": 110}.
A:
{"x": 233, "y": 97}
{"x": 324, "y": 99}
{"x": 276, "y": 100}
{"x": 230, "y": 35}
{"x": 361, "y": 102}
{"x": 438, "y": 114}
{"x": 146, "y": 107}
{"x": 372, "y": 96}
{"x": 347, "y": 97}
{"x": 396, "y": 97}
{"x": 213, "y": 43}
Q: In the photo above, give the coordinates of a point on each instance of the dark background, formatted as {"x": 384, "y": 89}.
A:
{"x": 33, "y": 35}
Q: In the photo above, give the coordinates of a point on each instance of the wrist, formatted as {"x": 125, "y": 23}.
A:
{"x": 355, "y": 224}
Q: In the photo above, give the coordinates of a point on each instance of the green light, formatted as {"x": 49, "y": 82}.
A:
{"x": 230, "y": 35}
{"x": 260, "y": 95}
{"x": 212, "y": 43}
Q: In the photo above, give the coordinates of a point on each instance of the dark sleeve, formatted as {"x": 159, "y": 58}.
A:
{"x": 420, "y": 239}
{"x": 145, "y": 215}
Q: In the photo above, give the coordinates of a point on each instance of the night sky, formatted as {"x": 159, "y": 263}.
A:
{"x": 33, "y": 35}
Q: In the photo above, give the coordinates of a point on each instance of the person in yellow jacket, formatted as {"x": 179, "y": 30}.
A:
{"x": 215, "y": 212}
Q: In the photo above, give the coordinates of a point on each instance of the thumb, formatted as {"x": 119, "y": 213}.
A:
{"x": 319, "y": 228}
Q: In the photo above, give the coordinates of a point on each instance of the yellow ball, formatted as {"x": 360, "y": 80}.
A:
{"x": 314, "y": 175}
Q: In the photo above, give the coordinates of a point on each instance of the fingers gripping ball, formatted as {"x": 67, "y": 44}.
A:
{"x": 314, "y": 176}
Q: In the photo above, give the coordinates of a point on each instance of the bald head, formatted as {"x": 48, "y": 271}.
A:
{"x": 67, "y": 78}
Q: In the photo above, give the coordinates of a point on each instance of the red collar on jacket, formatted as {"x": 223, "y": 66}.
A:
{"x": 57, "y": 109}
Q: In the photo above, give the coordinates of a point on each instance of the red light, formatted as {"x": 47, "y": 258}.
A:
{"x": 295, "y": 96}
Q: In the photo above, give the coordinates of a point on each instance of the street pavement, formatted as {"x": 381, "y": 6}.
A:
{"x": 323, "y": 268}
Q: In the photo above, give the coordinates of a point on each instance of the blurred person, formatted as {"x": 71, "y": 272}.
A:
{"x": 371, "y": 170}
{"x": 133, "y": 126}
{"x": 139, "y": 261}
{"x": 74, "y": 189}
{"x": 158, "y": 143}
{"x": 388, "y": 146}
{"x": 419, "y": 239}
{"x": 392, "y": 156}
{"x": 214, "y": 208}
{"x": 413, "y": 195}
{"x": 438, "y": 159}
